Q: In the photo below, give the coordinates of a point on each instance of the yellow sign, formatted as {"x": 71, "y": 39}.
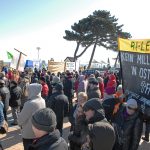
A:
{"x": 138, "y": 46}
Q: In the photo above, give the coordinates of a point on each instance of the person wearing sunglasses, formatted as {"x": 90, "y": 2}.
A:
{"x": 128, "y": 126}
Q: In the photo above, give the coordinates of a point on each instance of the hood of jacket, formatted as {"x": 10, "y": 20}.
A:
{"x": 34, "y": 90}
{"x": 98, "y": 116}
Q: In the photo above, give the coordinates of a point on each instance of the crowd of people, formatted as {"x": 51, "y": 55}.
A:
{"x": 102, "y": 117}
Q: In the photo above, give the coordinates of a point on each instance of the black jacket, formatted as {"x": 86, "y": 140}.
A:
{"x": 102, "y": 134}
{"x": 57, "y": 103}
{"x": 68, "y": 87}
{"x": 15, "y": 96}
{"x": 5, "y": 94}
{"x": 51, "y": 141}
{"x": 94, "y": 93}
{"x": 109, "y": 105}
{"x": 129, "y": 129}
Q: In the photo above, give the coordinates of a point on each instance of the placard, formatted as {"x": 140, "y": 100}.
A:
{"x": 135, "y": 64}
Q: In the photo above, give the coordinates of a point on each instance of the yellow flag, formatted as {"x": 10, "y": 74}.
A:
{"x": 138, "y": 46}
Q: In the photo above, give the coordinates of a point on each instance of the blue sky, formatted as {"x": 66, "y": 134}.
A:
{"x": 27, "y": 24}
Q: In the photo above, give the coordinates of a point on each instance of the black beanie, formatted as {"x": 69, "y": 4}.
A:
{"x": 93, "y": 104}
{"x": 44, "y": 119}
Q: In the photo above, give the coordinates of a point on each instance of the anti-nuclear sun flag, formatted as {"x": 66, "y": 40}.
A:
{"x": 135, "y": 67}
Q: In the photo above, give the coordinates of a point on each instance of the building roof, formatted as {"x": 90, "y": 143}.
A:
{"x": 71, "y": 59}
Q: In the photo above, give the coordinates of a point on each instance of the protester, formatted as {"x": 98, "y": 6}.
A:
{"x": 101, "y": 86}
{"x": 81, "y": 99}
{"x": 24, "y": 83}
{"x": 5, "y": 95}
{"x": 111, "y": 107}
{"x": 101, "y": 133}
{"x": 45, "y": 89}
{"x": 34, "y": 103}
{"x": 1, "y": 118}
{"x": 58, "y": 102}
{"x": 82, "y": 87}
{"x": 47, "y": 136}
{"x": 79, "y": 130}
{"x": 69, "y": 89}
{"x": 128, "y": 127}
{"x": 93, "y": 89}
{"x": 15, "y": 100}
{"x": 1, "y": 112}
{"x": 146, "y": 119}
{"x": 111, "y": 85}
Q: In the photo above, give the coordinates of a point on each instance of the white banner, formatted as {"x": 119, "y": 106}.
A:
{"x": 70, "y": 66}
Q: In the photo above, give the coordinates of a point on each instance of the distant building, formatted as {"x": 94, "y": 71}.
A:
{"x": 69, "y": 59}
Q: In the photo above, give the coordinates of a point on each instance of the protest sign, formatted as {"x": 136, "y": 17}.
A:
{"x": 135, "y": 62}
{"x": 56, "y": 67}
{"x": 70, "y": 66}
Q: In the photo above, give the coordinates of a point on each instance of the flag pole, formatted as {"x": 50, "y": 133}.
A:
{"x": 20, "y": 55}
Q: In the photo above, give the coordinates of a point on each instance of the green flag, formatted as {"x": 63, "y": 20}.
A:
{"x": 9, "y": 55}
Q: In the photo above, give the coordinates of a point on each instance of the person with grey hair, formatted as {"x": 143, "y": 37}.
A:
{"x": 47, "y": 136}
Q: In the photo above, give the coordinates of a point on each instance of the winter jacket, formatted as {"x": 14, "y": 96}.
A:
{"x": 78, "y": 135}
{"x": 71, "y": 116}
{"x": 1, "y": 113}
{"x": 101, "y": 88}
{"x": 128, "y": 130}
{"x": 5, "y": 94}
{"x": 57, "y": 103}
{"x": 34, "y": 103}
{"x": 102, "y": 134}
{"x": 15, "y": 96}
{"x": 51, "y": 141}
{"x": 94, "y": 93}
{"x": 109, "y": 106}
{"x": 24, "y": 97}
{"x": 82, "y": 84}
{"x": 44, "y": 90}
{"x": 68, "y": 87}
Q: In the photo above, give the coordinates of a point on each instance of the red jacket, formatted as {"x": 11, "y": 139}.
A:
{"x": 44, "y": 90}
{"x": 101, "y": 88}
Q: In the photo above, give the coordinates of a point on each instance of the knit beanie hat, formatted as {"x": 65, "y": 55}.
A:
{"x": 55, "y": 80}
{"x": 44, "y": 119}
{"x": 93, "y": 104}
{"x": 132, "y": 103}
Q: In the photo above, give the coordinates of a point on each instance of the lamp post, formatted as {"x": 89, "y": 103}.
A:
{"x": 38, "y": 48}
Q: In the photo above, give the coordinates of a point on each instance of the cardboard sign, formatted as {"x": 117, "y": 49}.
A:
{"x": 56, "y": 67}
